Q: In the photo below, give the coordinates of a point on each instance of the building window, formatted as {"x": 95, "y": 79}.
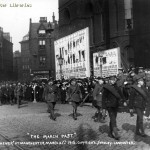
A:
{"x": 42, "y": 31}
{"x": 42, "y": 61}
{"x": 41, "y": 44}
{"x": 128, "y": 14}
{"x": 67, "y": 16}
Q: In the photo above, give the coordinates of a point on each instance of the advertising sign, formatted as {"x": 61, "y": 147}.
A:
{"x": 74, "y": 49}
{"x": 106, "y": 63}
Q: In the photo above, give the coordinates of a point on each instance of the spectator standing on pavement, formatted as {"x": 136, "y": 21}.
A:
{"x": 75, "y": 96}
{"x": 137, "y": 100}
{"x": 50, "y": 96}
{"x": 19, "y": 92}
{"x": 110, "y": 102}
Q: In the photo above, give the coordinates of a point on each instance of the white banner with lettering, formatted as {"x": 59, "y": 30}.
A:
{"x": 74, "y": 49}
{"x": 106, "y": 63}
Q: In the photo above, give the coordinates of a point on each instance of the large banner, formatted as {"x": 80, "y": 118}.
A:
{"x": 74, "y": 49}
{"x": 106, "y": 63}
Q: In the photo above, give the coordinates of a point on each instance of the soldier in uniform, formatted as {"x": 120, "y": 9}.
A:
{"x": 97, "y": 99}
{"x": 138, "y": 100}
{"x": 110, "y": 102}
{"x": 50, "y": 96}
{"x": 18, "y": 91}
{"x": 75, "y": 96}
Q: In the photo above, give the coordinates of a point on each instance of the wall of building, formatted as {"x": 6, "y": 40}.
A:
{"x": 6, "y": 56}
{"x": 106, "y": 22}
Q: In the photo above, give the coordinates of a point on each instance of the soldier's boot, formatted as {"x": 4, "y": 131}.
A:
{"x": 115, "y": 133}
{"x": 74, "y": 114}
{"x": 140, "y": 130}
{"x": 95, "y": 115}
{"x": 52, "y": 115}
{"x": 110, "y": 134}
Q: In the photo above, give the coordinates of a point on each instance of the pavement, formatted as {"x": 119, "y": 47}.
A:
{"x": 30, "y": 127}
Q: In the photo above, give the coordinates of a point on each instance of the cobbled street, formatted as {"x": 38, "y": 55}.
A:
{"x": 30, "y": 127}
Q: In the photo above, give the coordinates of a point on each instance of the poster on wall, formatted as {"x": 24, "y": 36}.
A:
{"x": 107, "y": 62}
{"x": 74, "y": 50}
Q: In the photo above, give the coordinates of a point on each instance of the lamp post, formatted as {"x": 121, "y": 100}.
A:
{"x": 100, "y": 55}
{"x": 60, "y": 61}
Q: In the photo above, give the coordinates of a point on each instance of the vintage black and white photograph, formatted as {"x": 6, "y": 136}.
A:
{"x": 74, "y": 75}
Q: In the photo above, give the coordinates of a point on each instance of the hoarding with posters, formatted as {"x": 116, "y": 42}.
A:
{"x": 107, "y": 62}
{"x": 74, "y": 49}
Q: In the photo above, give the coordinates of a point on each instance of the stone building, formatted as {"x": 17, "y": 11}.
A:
{"x": 6, "y": 56}
{"x": 112, "y": 23}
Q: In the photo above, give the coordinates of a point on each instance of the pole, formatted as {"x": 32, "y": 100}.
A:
{"x": 101, "y": 71}
{"x": 34, "y": 95}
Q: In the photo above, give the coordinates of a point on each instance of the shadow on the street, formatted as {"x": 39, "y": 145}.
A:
{"x": 137, "y": 138}
{"x": 23, "y": 105}
{"x": 57, "y": 115}
{"x": 127, "y": 127}
{"x": 84, "y": 133}
{"x": 78, "y": 114}
{"x": 104, "y": 129}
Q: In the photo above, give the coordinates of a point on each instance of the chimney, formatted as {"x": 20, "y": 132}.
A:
{"x": 53, "y": 17}
{"x": 43, "y": 20}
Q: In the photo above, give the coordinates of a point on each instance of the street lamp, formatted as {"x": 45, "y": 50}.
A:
{"x": 60, "y": 61}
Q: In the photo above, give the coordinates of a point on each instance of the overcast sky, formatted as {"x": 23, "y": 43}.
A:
{"x": 16, "y": 19}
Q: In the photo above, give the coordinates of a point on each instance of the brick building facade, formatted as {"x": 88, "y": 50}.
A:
{"x": 17, "y": 66}
{"x": 6, "y": 56}
{"x": 41, "y": 47}
{"x": 112, "y": 23}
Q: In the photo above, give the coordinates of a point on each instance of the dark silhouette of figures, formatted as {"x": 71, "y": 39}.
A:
{"x": 96, "y": 59}
{"x": 83, "y": 54}
{"x": 79, "y": 56}
{"x": 73, "y": 58}
{"x": 68, "y": 60}
{"x": 68, "y": 46}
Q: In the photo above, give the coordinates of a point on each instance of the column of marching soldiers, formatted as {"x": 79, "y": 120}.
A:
{"x": 109, "y": 95}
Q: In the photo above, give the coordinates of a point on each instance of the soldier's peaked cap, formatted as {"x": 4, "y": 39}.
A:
{"x": 140, "y": 68}
{"x": 120, "y": 68}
